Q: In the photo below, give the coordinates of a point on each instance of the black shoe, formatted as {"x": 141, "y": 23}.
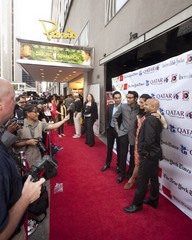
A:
{"x": 133, "y": 208}
{"x": 105, "y": 168}
{"x": 117, "y": 170}
{"x": 150, "y": 202}
{"x": 120, "y": 179}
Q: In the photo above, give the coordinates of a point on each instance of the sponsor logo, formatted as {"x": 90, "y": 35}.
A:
{"x": 157, "y": 81}
{"x": 162, "y": 111}
{"x": 172, "y": 62}
{"x": 189, "y": 58}
{"x": 151, "y": 69}
{"x": 181, "y": 148}
{"x": 183, "y": 77}
{"x": 188, "y": 115}
{"x": 175, "y": 113}
{"x": 177, "y": 164}
{"x": 164, "y": 96}
{"x": 129, "y": 75}
{"x": 125, "y": 86}
{"x": 174, "y": 78}
{"x": 185, "y": 95}
{"x": 121, "y": 78}
{"x": 183, "y": 131}
{"x": 136, "y": 85}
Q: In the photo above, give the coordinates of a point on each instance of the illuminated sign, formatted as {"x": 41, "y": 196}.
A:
{"x": 39, "y": 52}
{"x": 54, "y": 34}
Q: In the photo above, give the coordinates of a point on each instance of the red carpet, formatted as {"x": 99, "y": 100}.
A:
{"x": 90, "y": 206}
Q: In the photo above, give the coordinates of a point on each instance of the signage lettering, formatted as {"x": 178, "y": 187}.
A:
{"x": 54, "y": 34}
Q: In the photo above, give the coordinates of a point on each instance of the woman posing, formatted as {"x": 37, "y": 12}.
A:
{"x": 90, "y": 115}
{"x": 62, "y": 113}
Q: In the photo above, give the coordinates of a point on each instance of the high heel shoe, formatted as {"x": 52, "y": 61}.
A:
{"x": 129, "y": 185}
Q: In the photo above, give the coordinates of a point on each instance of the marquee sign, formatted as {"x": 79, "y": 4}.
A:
{"x": 53, "y": 33}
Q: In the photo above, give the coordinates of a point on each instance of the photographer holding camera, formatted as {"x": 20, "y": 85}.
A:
{"x": 32, "y": 132}
{"x": 14, "y": 198}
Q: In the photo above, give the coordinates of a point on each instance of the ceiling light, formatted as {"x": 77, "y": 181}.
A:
{"x": 41, "y": 69}
{"x": 74, "y": 71}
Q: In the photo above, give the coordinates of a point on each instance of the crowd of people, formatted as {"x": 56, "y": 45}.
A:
{"x": 23, "y": 123}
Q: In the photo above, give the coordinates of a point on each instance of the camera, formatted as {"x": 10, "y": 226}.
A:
{"x": 41, "y": 146}
{"x": 46, "y": 167}
{"x": 20, "y": 122}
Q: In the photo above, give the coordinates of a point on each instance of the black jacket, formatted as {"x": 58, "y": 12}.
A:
{"x": 94, "y": 111}
{"x": 149, "y": 138}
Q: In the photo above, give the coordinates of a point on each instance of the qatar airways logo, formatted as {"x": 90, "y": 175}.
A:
{"x": 150, "y": 69}
{"x": 183, "y": 131}
{"x": 175, "y": 113}
{"x": 164, "y": 96}
{"x": 157, "y": 81}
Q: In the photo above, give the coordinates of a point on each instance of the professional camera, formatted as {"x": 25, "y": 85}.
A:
{"x": 14, "y": 120}
{"x": 46, "y": 167}
{"x": 41, "y": 146}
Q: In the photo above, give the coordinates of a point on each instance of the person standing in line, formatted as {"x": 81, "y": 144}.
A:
{"x": 54, "y": 102}
{"x": 62, "y": 113}
{"x": 14, "y": 198}
{"x": 149, "y": 149}
{"x": 111, "y": 133}
{"x": 126, "y": 132}
{"x": 140, "y": 119}
{"x": 90, "y": 115}
{"x": 77, "y": 115}
{"x": 21, "y": 102}
{"x": 69, "y": 102}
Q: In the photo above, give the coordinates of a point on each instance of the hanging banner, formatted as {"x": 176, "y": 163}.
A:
{"x": 39, "y": 52}
{"x": 171, "y": 83}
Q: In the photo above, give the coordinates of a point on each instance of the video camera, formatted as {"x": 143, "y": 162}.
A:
{"x": 46, "y": 167}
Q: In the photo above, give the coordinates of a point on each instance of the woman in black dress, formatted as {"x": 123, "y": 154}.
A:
{"x": 90, "y": 115}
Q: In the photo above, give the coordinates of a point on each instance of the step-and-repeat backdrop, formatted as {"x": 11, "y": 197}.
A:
{"x": 171, "y": 83}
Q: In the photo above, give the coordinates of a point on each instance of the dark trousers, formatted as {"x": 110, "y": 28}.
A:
{"x": 123, "y": 150}
{"x": 70, "y": 121}
{"x": 111, "y": 136}
{"x": 148, "y": 170}
{"x": 131, "y": 162}
{"x": 61, "y": 129}
{"x": 90, "y": 138}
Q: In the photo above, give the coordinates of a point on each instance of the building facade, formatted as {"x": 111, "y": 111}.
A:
{"x": 125, "y": 34}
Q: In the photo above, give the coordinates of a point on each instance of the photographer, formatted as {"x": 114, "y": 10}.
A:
{"x": 32, "y": 132}
{"x": 14, "y": 198}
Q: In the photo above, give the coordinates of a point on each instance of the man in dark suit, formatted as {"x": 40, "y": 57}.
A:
{"x": 111, "y": 133}
{"x": 150, "y": 153}
{"x": 126, "y": 132}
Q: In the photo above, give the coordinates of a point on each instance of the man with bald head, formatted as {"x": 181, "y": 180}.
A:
{"x": 150, "y": 153}
{"x": 14, "y": 197}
